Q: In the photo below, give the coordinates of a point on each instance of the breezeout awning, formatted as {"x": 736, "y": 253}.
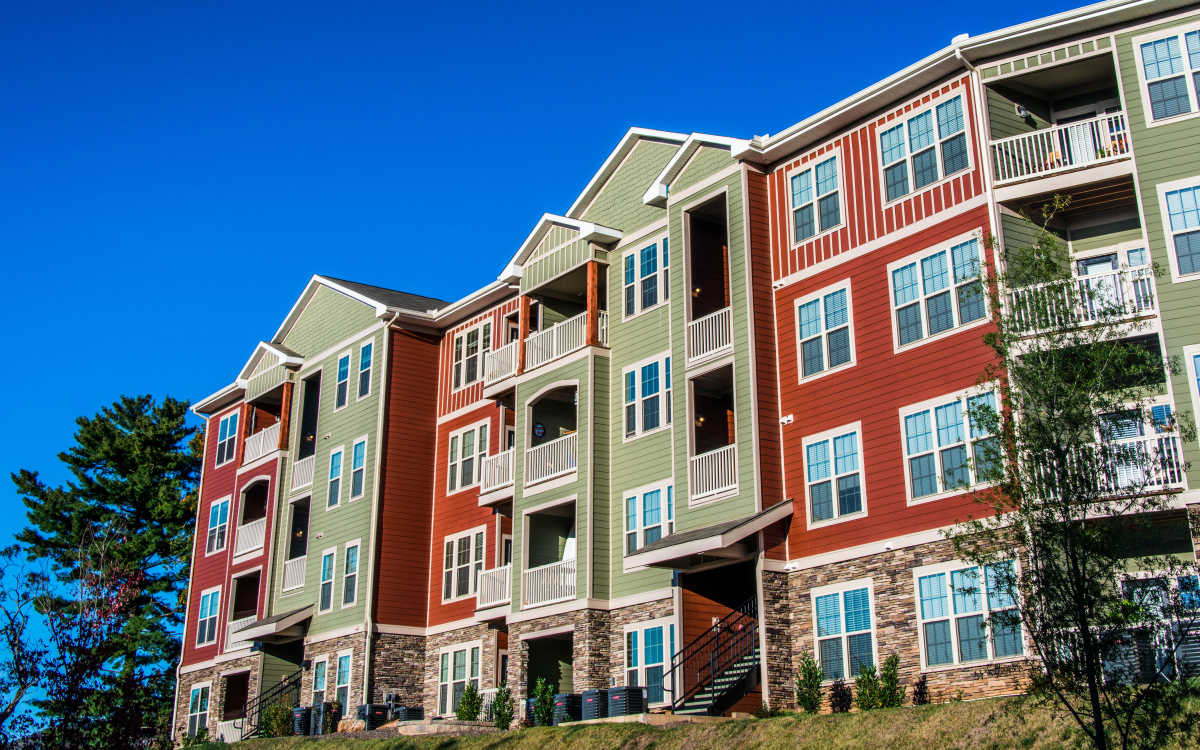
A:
{"x": 710, "y": 545}
{"x": 280, "y": 628}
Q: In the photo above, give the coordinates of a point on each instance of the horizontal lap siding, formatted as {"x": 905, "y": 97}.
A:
{"x": 873, "y": 391}
{"x": 404, "y": 514}
{"x": 270, "y": 472}
{"x": 865, "y": 213}
{"x": 450, "y": 400}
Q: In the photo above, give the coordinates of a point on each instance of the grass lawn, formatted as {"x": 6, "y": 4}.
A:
{"x": 978, "y": 725}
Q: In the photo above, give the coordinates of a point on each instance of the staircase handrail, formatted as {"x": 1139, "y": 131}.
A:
{"x": 710, "y": 654}
{"x": 254, "y": 708}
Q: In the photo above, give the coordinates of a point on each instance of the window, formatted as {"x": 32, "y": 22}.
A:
{"x": 358, "y": 468}
{"x": 648, "y": 649}
{"x": 328, "y": 560}
{"x": 844, "y": 633}
{"x": 364, "y": 369}
{"x": 910, "y": 150}
{"x": 469, "y": 349}
{"x": 320, "y": 669}
{"x": 1130, "y": 463}
{"x": 218, "y": 526}
{"x": 227, "y": 438}
{"x": 342, "y": 685}
{"x": 1183, "y": 228}
{"x": 206, "y": 624}
{"x": 1170, "y": 72}
{"x": 649, "y": 516}
{"x": 458, "y": 667}
{"x": 342, "y": 391}
{"x": 646, "y": 281}
{"x": 198, "y": 710}
{"x": 967, "y": 613}
{"x": 461, "y": 564}
{"x": 350, "y": 575}
{"x": 647, "y": 397}
{"x": 963, "y": 453}
{"x": 833, "y": 469}
{"x": 335, "y": 478}
{"x": 823, "y": 325}
{"x": 468, "y": 448}
{"x": 819, "y": 210}
{"x": 937, "y": 292}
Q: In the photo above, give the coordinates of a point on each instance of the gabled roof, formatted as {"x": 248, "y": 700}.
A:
{"x": 587, "y": 231}
{"x": 656, "y": 194}
{"x": 214, "y": 402}
{"x": 618, "y": 154}
{"x": 381, "y": 299}
{"x": 689, "y": 549}
{"x": 392, "y": 298}
{"x": 265, "y": 348}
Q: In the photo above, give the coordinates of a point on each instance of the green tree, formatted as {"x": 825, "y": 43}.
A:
{"x": 469, "y": 704}
{"x": 891, "y": 692}
{"x": 120, "y": 528}
{"x": 808, "y": 684}
{"x": 502, "y": 708}
{"x": 543, "y": 702}
{"x": 866, "y": 688}
{"x": 1077, "y": 491}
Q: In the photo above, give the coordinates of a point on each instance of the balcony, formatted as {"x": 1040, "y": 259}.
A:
{"x": 710, "y": 335}
{"x": 501, "y": 363}
{"x": 1061, "y": 148}
{"x": 547, "y": 584}
{"x": 1134, "y": 466}
{"x": 261, "y": 443}
{"x": 1120, "y": 294}
{"x": 302, "y": 472}
{"x": 232, "y": 641}
{"x": 494, "y": 587}
{"x": 293, "y": 573}
{"x": 561, "y": 339}
{"x": 551, "y": 459}
{"x": 250, "y": 537}
{"x": 497, "y": 472}
{"x": 714, "y": 472}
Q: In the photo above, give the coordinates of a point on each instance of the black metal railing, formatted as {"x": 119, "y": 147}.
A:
{"x": 697, "y": 665}
{"x": 286, "y": 694}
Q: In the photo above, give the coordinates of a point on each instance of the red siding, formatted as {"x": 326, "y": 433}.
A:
{"x": 450, "y": 400}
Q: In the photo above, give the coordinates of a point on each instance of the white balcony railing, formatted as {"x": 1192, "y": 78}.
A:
{"x": 293, "y": 573}
{"x": 1061, "y": 148}
{"x": 1111, "y": 296}
{"x": 551, "y": 459}
{"x": 250, "y": 536}
{"x": 548, "y": 583}
{"x": 261, "y": 443}
{"x": 493, "y": 587}
{"x": 501, "y": 363}
{"x": 233, "y": 641}
{"x": 710, "y": 334}
{"x": 230, "y": 731}
{"x": 713, "y": 472}
{"x": 602, "y": 325}
{"x": 302, "y": 472}
{"x": 556, "y": 341}
{"x": 497, "y": 471}
{"x": 1129, "y": 466}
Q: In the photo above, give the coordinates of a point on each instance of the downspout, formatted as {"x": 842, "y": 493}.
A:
{"x": 380, "y": 444}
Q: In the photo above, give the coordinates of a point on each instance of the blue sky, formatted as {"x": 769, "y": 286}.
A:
{"x": 172, "y": 176}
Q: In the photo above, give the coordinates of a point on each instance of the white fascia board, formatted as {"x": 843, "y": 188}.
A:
{"x": 473, "y": 302}
{"x": 656, "y": 194}
{"x": 774, "y": 514}
{"x": 218, "y": 400}
{"x": 623, "y": 147}
{"x": 587, "y": 231}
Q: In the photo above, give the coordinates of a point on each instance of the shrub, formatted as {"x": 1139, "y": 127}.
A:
{"x": 840, "y": 696}
{"x": 543, "y": 703}
{"x": 866, "y": 688}
{"x": 891, "y": 692}
{"x": 765, "y": 711}
{"x": 502, "y": 708}
{"x": 808, "y": 684}
{"x": 199, "y": 739}
{"x": 920, "y": 692}
{"x": 470, "y": 704}
{"x": 276, "y": 721}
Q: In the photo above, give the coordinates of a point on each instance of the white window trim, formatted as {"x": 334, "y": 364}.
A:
{"x": 370, "y": 371}
{"x": 349, "y": 370}
{"x": 472, "y": 575}
{"x": 357, "y": 545}
{"x": 478, "y": 455}
{"x": 666, "y": 623}
{"x": 917, "y": 257}
{"x": 228, "y": 500}
{"x": 820, "y": 295}
{"x": 666, "y": 511}
{"x": 340, "y": 450}
{"x": 332, "y": 581}
{"x": 1192, "y": 371}
{"x": 197, "y": 686}
{"x": 313, "y": 688}
{"x": 811, "y": 164}
{"x": 363, "y": 440}
{"x": 1168, "y": 235}
{"x": 212, "y": 616}
{"x": 663, "y": 289}
{"x": 930, "y": 405}
{"x": 855, "y": 427}
{"x": 841, "y": 588}
{"x": 466, "y": 646}
{"x": 485, "y": 346}
{"x": 235, "y": 414}
{"x": 349, "y": 684}
{"x": 904, "y": 119}
{"x": 665, "y": 422}
{"x": 1143, "y": 84}
{"x": 947, "y": 568}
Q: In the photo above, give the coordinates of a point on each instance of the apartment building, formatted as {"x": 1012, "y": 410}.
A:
{"x": 712, "y": 416}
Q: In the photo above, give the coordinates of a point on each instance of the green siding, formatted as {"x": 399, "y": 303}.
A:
{"x": 619, "y": 203}
{"x": 1002, "y": 113}
{"x": 549, "y": 267}
{"x": 329, "y": 317}
{"x": 706, "y": 161}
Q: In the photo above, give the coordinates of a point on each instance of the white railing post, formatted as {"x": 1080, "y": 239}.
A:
{"x": 710, "y": 334}
{"x": 497, "y": 471}
{"x": 493, "y": 587}
{"x": 261, "y": 443}
{"x": 302, "y": 472}
{"x": 602, "y": 323}
{"x": 232, "y": 642}
{"x": 501, "y": 363}
{"x": 556, "y": 341}
{"x": 548, "y": 583}
{"x": 293, "y": 573}
{"x": 1061, "y": 147}
{"x": 250, "y": 536}
{"x": 550, "y": 459}
{"x": 713, "y": 472}
{"x": 1115, "y": 295}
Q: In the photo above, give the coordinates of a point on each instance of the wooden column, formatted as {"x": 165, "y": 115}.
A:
{"x": 244, "y": 429}
{"x": 285, "y": 416}
{"x": 523, "y": 333}
{"x": 593, "y": 303}
{"x": 725, "y": 272}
